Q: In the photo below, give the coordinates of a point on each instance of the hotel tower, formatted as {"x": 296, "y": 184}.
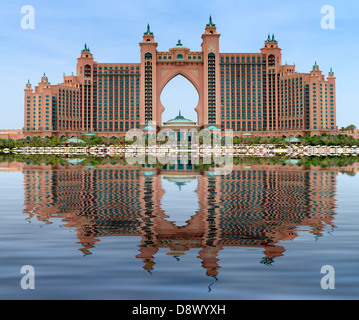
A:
{"x": 246, "y": 92}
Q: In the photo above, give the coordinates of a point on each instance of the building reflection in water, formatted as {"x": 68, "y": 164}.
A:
{"x": 254, "y": 207}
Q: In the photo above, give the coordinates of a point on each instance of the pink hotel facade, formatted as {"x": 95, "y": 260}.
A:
{"x": 246, "y": 92}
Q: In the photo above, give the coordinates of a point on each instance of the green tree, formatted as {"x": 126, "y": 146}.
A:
{"x": 351, "y": 128}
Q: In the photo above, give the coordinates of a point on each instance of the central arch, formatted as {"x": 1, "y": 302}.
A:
{"x": 193, "y": 73}
{"x": 179, "y": 94}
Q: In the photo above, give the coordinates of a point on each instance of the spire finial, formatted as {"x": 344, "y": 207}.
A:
{"x": 86, "y": 48}
{"x": 28, "y": 82}
{"x": 148, "y": 29}
{"x": 179, "y": 112}
{"x": 210, "y": 23}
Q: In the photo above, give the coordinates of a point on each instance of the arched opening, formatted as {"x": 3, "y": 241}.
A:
{"x": 271, "y": 61}
{"x": 87, "y": 71}
{"x": 179, "y": 94}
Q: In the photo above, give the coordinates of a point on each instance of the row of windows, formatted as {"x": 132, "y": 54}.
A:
{"x": 243, "y": 59}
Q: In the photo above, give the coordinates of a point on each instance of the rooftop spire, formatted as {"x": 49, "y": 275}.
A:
{"x": 210, "y": 23}
{"x": 148, "y": 29}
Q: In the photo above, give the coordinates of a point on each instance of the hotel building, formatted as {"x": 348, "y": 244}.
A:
{"x": 246, "y": 92}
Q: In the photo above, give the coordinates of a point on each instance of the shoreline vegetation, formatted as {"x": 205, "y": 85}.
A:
{"x": 91, "y": 161}
{"x": 89, "y": 141}
{"x": 324, "y": 139}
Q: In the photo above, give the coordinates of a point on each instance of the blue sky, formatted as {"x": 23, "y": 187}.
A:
{"x": 113, "y": 29}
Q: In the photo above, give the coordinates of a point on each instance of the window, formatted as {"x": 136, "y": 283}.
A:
{"x": 271, "y": 61}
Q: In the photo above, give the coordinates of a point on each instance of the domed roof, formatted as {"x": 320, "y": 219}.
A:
{"x": 180, "y": 121}
{"x": 179, "y": 45}
{"x": 180, "y": 118}
{"x": 212, "y": 127}
{"x": 149, "y": 128}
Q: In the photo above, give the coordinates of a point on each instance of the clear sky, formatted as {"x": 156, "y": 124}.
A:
{"x": 113, "y": 28}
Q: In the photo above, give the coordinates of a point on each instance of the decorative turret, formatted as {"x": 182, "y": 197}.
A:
{"x": 44, "y": 79}
{"x": 84, "y": 64}
{"x": 148, "y": 35}
{"x": 28, "y": 85}
{"x": 272, "y": 52}
{"x": 315, "y": 67}
{"x": 86, "y": 53}
{"x": 210, "y": 27}
{"x": 331, "y": 74}
{"x": 271, "y": 42}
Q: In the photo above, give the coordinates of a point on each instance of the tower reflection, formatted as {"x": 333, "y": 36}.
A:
{"x": 253, "y": 207}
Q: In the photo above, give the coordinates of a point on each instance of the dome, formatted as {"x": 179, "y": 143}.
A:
{"x": 212, "y": 127}
{"x": 179, "y": 45}
{"x": 149, "y": 128}
{"x": 179, "y": 120}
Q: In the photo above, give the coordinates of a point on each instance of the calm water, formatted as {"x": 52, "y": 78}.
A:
{"x": 112, "y": 231}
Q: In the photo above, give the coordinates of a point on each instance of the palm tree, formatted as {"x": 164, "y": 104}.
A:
{"x": 351, "y": 128}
